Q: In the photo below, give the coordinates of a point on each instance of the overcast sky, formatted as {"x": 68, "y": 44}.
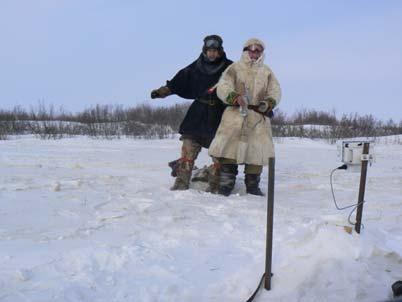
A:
{"x": 341, "y": 55}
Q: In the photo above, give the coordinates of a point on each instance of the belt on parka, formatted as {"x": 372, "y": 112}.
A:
{"x": 268, "y": 113}
{"x": 211, "y": 102}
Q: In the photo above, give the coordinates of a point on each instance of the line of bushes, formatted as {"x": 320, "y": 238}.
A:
{"x": 144, "y": 121}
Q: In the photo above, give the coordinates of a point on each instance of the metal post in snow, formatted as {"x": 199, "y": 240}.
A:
{"x": 362, "y": 188}
{"x": 270, "y": 223}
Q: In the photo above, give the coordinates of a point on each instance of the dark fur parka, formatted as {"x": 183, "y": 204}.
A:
{"x": 193, "y": 82}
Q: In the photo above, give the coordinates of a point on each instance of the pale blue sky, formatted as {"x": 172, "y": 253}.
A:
{"x": 344, "y": 55}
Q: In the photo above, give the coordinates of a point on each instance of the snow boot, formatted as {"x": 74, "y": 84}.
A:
{"x": 182, "y": 181}
{"x": 227, "y": 179}
{"x": 213, "y": 178}
{"x": 174, "y": 165}
{"x": 201, "y": 175}
{"x": 252, "y": 182}
{"x": 184, "y": 170}
{"x": 183, "y": 167}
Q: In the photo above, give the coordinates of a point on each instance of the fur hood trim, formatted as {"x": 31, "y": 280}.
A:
{"x": 252, "y": 41}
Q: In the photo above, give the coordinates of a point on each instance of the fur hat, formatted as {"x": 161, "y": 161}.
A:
{"x": 212, "y": 42}
{"x": 253, "y": 41}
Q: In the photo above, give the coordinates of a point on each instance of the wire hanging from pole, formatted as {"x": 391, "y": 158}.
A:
{"x": 354, "y": 206}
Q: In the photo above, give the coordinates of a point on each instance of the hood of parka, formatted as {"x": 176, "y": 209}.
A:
{"x": 246, "y": 60}
{"x": 211, "y": 67}
{"x": 245, "y": 57}
{"x": 252, "y": 41}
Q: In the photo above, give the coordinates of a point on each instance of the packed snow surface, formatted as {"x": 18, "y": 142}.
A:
{"x": 94, "y": 220}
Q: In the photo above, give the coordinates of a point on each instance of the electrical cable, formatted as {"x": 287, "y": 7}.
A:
{"x": 354, "y": 206}
{"x": 256, "y": 290}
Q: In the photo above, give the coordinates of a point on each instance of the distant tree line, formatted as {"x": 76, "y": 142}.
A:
{"x": 144, "y": 121}
{"x": 104, "y": 121}
{"x": 325, "y": 125}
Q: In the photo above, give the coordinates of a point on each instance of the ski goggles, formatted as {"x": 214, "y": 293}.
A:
{"x": 254, "y": 48}
{"x": 212, "y": 44}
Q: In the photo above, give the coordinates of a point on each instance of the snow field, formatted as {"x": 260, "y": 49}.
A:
{"x": 94, "y": 220}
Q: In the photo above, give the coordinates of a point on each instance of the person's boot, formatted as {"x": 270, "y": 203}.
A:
{"x": 227, "y": 179}
{"x": 182, "y": 181}
{"x": 213, "y": 178}
{"x": 201, "y": 175}
{"x": 252, "y": 182}
{"x": 174, "y": 165}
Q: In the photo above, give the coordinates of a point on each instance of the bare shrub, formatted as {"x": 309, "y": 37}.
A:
{"x": 145, "y": 121}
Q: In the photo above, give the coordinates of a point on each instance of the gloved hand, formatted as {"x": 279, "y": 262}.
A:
{"x": 161, "y": 92}
{"x": 239, "y": 100}
{"x": 267, "y": 105}
{"x": 271, "y": 103}
{"x": 263, "y": 107}
{"x": 212, "y": 93}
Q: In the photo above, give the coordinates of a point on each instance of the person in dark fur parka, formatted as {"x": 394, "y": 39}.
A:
{"x": 197, "y": 81}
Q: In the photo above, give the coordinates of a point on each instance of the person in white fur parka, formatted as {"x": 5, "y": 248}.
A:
{"x": 245, "y": 136}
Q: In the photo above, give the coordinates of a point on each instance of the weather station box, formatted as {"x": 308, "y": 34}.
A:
{"x": 351, "y": 153}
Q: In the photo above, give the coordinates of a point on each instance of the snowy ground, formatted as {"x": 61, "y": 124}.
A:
{"x": 94, "y": 220}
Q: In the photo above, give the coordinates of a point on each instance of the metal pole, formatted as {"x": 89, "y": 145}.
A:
{"x": 270, "y": 223}
{"x": 363, "y": 177}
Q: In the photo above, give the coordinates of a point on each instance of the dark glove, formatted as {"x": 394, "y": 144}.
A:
{"x": 161, "y": 92}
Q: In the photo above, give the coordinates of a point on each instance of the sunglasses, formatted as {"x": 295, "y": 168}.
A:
{"x": 256, "y": 50}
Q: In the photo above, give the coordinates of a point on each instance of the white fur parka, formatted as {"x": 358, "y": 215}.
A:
{"x": 248, "y": 139}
